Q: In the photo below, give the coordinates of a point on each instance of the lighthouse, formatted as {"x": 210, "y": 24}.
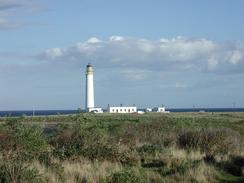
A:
{"x": 89, "y": 88}
{"x": 90, "y": 107}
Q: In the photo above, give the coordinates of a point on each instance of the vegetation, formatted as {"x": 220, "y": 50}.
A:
{"x": 105, "y": 148}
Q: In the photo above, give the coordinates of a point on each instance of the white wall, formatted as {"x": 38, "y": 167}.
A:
{"x": 95, "y": 110}
{"x": 122, "y": 109}
{"x": 159, "y": 109}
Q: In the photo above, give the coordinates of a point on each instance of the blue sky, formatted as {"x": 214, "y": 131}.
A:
{"x": 171, "y": 52}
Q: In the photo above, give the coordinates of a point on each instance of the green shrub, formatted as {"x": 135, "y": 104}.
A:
{"x": 65, "y": 143}
{"x": 169, "y": 139}
{"x": 125, "y": 176}
{"x": 45, "y": 159}
{"x": 101, "y": 152}
{"x": 219, "y": 141}
{"x": 29, "y": 137}
{"x": 23, "y": 139}
{"x": 17, "y": 171}
{"x": 149, "y": 149}
{"x": 90, "y": 142}
{"x": 12, "y": 122}
{"x": 130, "y": 158}
{"x": 180, "y": 168}
{"x": 6, "y": 142}
{"x": 210, "y": 141}
{"x": 32, "y": 138}
{"x": 190, "y": 139}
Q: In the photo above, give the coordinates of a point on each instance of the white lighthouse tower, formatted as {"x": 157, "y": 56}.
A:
{"x": 90, "y": 90}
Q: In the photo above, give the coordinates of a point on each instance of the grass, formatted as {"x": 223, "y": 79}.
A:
{"x": 111, "y": 148}
{"x": 82, "y": 170}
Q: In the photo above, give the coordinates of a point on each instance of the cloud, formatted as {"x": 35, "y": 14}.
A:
{"x": 116, "y": 38}
{"x": 53, "y": 53}
{"x": 93, "y": 40}
{"x": 11, "y": 4}
{"x": 177, "y": 85}
{"x": 4, "y": 24}
{"x": 10, "y": 9}
{"x": 135, "y": 74}
{"x": 178, "y": 53}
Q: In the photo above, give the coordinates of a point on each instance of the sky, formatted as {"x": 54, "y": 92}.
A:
{"x": 150, "y": 53}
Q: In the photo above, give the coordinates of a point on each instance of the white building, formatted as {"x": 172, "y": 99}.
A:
{"x": 148, "y": 109}
{"x": 95, "y": 110}
{"x": 158, "y": 109}
{"x": 140, "y": 112}
{"x": 122, "y": 109}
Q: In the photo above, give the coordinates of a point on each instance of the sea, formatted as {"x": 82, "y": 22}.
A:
{"x": 67, "y": 112}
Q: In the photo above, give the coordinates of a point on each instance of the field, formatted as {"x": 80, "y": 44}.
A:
{"x": 128, "y": 148}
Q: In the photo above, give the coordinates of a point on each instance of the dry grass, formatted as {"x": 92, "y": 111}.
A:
{"x": 176, "y": 156}
{"x": 86, "y": 171}
{"x": 91, "y": 171}
{"x": 184, "y": 154}
{"x": 83, "y": 170}
{"x": 202, "y": 174}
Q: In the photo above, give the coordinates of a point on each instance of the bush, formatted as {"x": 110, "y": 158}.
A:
{"x": 190, "y": 139}
{"x": 180, "y": 168}
{"x": 6, "y": 142}
{"x": 210, "y": 141}
{"x": 219, "y": 141}
{"x": 130, "y": 158}
{"x": 90, "y": 142}
{"x": 45, "y": 159}
{"x": 65, "y": 144}
{"x": 26, "y": 140}
{"x": 169, "y": 139}
{"x": 32, "y": 139}
{"x": 101, "y": 152}
{"x": 12, "y": 123}
{"x": 17, "y": 171}
{"x": 149, "y": 149}
{"x": 125, "y": 176}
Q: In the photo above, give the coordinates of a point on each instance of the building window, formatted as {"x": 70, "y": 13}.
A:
{"x": 125, "y": 110}
{"x": 120, "y": 110}
{"x": 128, "y": 110}
{"x": 117, "y": 110}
